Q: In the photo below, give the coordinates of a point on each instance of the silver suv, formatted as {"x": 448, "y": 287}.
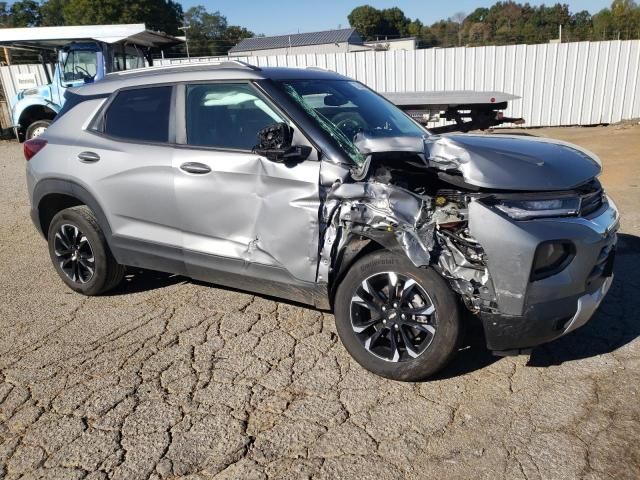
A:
{"x": 306, "y": 185}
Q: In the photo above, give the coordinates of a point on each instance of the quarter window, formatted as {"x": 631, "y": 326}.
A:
{"x": 140, "y": 114}
{"x": 226, "y": 116}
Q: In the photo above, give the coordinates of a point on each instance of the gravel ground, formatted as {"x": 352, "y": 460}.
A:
{"x": 167, "y": 377}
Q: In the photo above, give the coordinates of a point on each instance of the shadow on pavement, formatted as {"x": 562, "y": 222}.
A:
{"x": 471, "y": 357}
{"x": 615, "y": 324}
{"x": 138, "y": 280}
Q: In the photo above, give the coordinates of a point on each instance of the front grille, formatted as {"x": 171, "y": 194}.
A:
{"x": 592, "y": 198}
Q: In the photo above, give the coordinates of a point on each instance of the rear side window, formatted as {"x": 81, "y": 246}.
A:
{"x": 72, "y": 99}
{"x": 226, "y": 116}
{"x": 140, "y": 114}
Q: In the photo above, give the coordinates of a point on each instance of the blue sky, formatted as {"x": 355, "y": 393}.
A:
{"x": 274, "y": 17}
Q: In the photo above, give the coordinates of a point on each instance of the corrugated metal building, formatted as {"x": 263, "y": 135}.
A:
{"x": 327, "y": 41}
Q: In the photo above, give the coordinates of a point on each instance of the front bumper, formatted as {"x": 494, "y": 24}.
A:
{"x": 528, "y": 312}
{"x": 544, "y": 323}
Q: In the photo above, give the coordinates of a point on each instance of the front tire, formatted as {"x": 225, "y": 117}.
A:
{"x": 36, "y": 129}
{"x": 80, "y": 254}
{"x": 397, "y": 320}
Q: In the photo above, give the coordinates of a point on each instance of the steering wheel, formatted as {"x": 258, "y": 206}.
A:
{"x": 82, "y": 70}
{"x": 349, "y": 123}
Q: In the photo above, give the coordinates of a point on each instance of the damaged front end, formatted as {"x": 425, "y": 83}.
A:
{"x": 402, "y": 205}
{"x": 520, "y": 229}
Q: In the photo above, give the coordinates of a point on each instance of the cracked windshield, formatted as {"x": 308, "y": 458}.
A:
{"x": 345, "y": 109}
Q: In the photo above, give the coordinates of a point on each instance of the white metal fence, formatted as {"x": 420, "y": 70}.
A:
{"x": 580, "y": 83}
{"x": 20, "y": 77}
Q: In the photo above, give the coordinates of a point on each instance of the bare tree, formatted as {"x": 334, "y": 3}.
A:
{"x": 459, "y": 19}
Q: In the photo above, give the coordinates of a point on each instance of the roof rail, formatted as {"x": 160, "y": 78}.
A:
{"x": 218, "y": 64}
{"x": 237, "y": 63}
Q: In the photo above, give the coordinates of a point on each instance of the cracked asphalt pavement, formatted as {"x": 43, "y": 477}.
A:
{"x": 167, "y": 377}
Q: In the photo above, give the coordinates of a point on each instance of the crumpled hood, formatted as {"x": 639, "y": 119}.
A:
{"x": 512, "y": 162}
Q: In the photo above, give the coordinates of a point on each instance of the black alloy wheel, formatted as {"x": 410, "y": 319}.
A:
{"x": 80, "y": 252}
{"x": 74, "y": 253}
{"x": 393, "y": 317}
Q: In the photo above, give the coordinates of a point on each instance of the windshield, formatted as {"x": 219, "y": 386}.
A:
{"x": 344, "y": 108}
{"x": 80, "y": 65}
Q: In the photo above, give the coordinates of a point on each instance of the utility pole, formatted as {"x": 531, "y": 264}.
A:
{"x": 560, "y": 33}
{"x": 184, "y": 28}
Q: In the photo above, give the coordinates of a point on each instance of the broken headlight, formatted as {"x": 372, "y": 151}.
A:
{"x": 528, "y": 209}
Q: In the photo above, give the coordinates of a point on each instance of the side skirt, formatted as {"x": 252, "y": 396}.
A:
{"x": 251, "y": 277}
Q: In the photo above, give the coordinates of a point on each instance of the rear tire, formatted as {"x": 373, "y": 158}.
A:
{"x": 419, "y": 327}
{"x": 36, "y": 129}
{"x": 80, "y": 253}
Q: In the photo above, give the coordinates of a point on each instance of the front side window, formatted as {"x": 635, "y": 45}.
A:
{"x": 80, "y": 65}
{"x": 226, "y": 116}
{"x": 140, "y": 114}
{"x": 344, "y": 108}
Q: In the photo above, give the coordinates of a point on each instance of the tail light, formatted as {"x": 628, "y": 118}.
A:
{"x": 33, "y": 146}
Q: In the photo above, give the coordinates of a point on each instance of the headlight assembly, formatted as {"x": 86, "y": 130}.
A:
{"x": 540, "y": 208}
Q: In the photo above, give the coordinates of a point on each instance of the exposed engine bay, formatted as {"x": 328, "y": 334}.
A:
{"x": 418, "y": 203}
{"x": 405, "y": 207}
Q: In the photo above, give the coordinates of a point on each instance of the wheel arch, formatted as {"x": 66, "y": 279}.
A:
{"x": 35, "y": 112}
{"x": 50, "y": 196}
{"x": 357, "y": 246}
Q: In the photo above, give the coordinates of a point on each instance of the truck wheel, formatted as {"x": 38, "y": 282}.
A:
{"x": 80, "y": 253}
{"x": 36, "y": 129}
{"x": 397, "y": 320}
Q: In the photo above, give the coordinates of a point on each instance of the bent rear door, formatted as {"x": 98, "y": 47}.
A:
{"x": 243, "y": 217}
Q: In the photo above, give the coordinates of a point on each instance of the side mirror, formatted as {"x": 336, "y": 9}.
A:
{"x": 275, "y": 143}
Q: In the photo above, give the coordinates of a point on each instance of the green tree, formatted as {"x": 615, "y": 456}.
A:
{"x": 4, "y": 15}
{"x": 395, "y": 23}
{"x": 205, "y": 31}
{"x": 625, "y": 17}
{"x": 163, "y": 15}
{"x": 232, "y": 35}
{"x": 368, "y": 21}
{"x": 25, "y": 13}
{"x": 580, "y": 27}
{"x": 52, "y": 12}
{"x": 209, "y": 33}
{"x": 603, "y": 24}
{"x": 479, "y": 15}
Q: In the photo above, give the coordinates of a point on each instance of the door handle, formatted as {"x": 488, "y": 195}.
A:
{"x": 88, "y": 157}
{"x": 195, "y": 167}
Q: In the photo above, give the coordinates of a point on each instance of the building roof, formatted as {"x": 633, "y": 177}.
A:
{"x": 54, "y": 37}
{"x": 390, "y": 40}
{"x": 298, "y": 40}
